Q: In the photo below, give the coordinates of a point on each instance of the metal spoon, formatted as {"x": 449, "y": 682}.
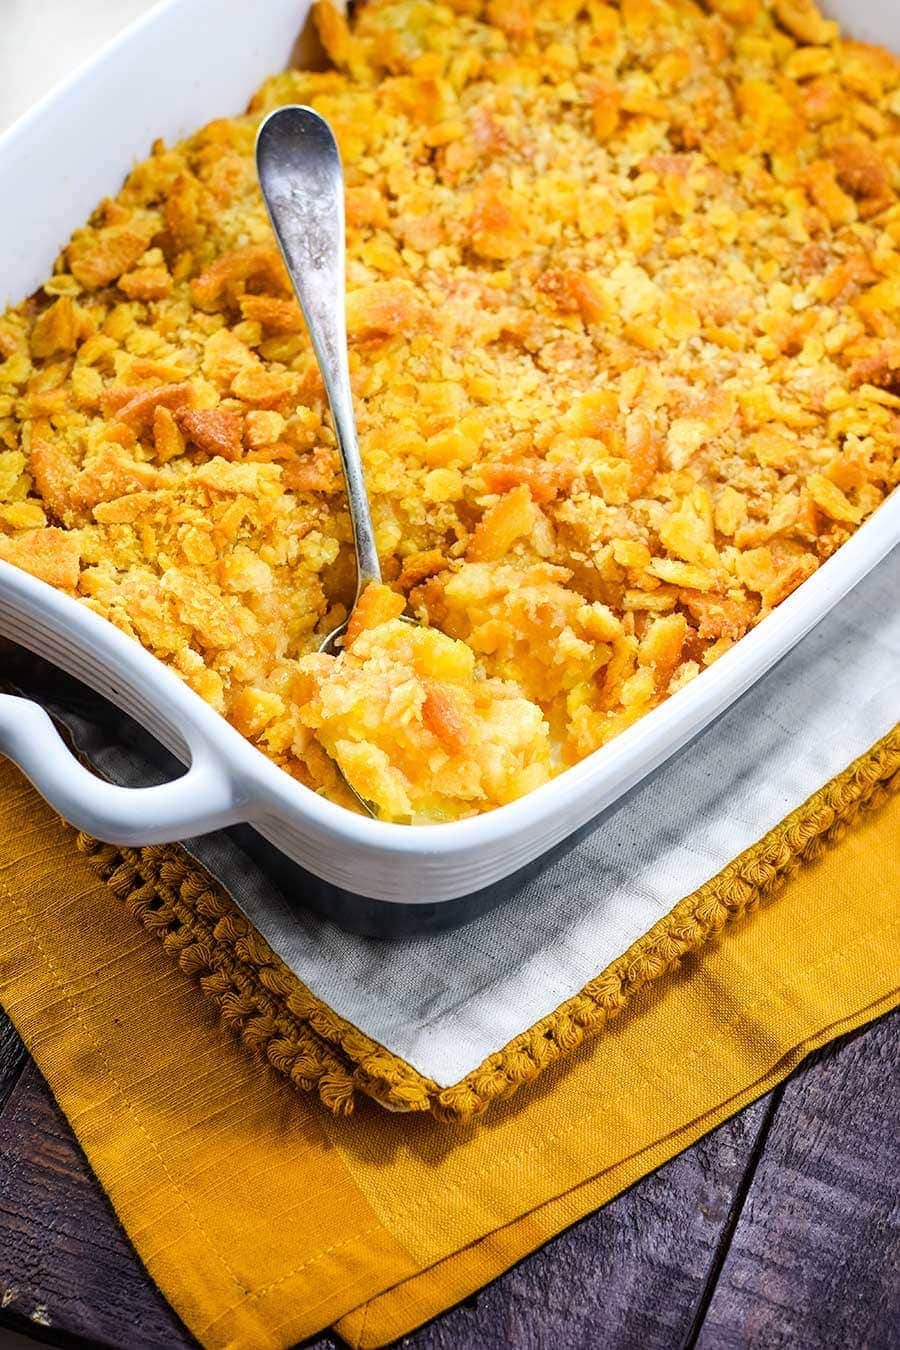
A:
{"x": 299, "y": 168}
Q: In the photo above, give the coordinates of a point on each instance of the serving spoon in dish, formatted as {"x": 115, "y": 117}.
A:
{"x": 302, "y": 182}
{"x": 299, "y": 168}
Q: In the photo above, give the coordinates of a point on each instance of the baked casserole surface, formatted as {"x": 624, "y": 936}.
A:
{"x": 624, "y": 318}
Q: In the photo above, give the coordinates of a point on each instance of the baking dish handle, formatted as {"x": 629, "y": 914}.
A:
{"x": 204, "y": 798}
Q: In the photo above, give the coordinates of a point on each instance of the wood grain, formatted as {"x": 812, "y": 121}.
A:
{"x": 815, "y": 1256}
{"x": 13, "y": 1057}
{"x": 628, "y": 1276}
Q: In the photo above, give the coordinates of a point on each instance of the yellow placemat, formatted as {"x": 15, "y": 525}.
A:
{"x": 263, "y": 1218}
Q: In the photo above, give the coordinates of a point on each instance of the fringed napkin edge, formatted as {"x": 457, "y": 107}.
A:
{"x": 279, "y": 1019}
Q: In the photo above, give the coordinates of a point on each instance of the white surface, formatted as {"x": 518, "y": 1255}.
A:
{"x": 44, "y": 40}
{"x": 446, "y": 1002}
{"x": 158, "y": 78}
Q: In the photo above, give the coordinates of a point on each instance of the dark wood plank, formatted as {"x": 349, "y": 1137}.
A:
{"x": 13, "y": 1057}
{"x": 67, "y": 1271}
{"x": 814, "y": 1261}
{"x": 630, "y": 1275}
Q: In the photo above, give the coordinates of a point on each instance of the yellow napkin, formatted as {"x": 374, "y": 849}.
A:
{"x": 264, "y": 1218}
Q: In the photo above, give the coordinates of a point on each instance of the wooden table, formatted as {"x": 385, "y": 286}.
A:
{"x": 779, "y": 1229}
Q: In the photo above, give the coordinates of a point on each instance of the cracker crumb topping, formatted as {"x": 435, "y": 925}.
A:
{"x": 624, "y": 321}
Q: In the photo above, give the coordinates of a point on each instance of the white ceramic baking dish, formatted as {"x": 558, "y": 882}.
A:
{"x": 185, "y": 62}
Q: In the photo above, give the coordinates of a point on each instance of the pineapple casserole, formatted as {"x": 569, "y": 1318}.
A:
{"x": 624, "y": 321}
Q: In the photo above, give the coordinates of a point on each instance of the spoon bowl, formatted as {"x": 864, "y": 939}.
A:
{"x": 302, "y": 182}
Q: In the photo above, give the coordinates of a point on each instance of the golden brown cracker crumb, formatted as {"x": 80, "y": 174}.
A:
{"x": 623, "y": 299}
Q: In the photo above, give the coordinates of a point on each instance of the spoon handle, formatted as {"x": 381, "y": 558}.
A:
{"x": 302, "y": 183}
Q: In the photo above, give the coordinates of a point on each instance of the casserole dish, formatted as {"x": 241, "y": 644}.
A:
{"x": 228, "y": 780}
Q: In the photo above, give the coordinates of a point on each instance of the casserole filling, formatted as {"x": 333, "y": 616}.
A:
{"x": 404, "y": 715}
{"x": 623, "y": 299}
